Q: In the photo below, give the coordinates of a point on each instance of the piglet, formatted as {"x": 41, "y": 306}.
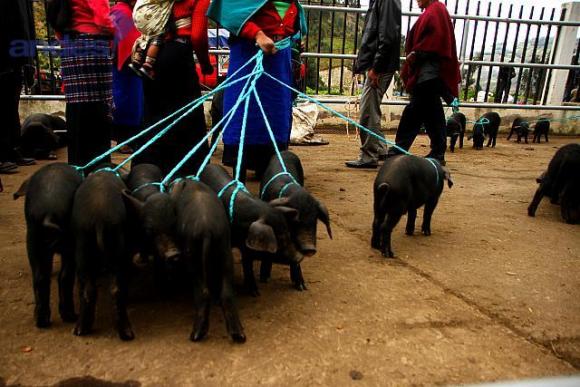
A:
{"x": 49, "y": 201}
{"x": 487, "y": 125}
{"x": 257, "y": 227}
{"x": 521, "y": 128}
{"x": 455, "y": 130}
{"x": 285, "y": 190}
{"x": 38, "y": 135}
{"x": 561, "y": 183}
{"x": 204, "y": 237}
{"x": 542, "y": 128}
{"x": 103, "y": 227}
{"x": 405, "y": 183}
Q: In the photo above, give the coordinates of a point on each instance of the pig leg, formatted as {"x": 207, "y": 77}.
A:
{"x": 40, "y": 258}
{"x": 265, "y": 271}
{"x": 233, "y": 324}
{"x": 201, "y": 307}
{"x": 546, "y": 136}
{"x": 296, "y": 277}
{"x": 389, "y": 224}
{"x": 66, "y": 282}
{"x": 377, "y": 227}
{"x": 427, "y": 214}
{"x": 86, "y": 273}
{"x": 494, "y": 140}
{"x": 249, "y": 278}
{"x": 511, "y": 133}
{"x": 461, "y": 140}
{"x": 119, "y": 293}
{"x": 540, "y": 193}
{"x": 452, "y": 142}
{"x": 411, "y": 216}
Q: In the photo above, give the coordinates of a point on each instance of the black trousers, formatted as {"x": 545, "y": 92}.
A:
{"x": 176, "y": 84}
{"x": 10, "y": 87}
{"x": 89, "y": 131}
{"x": 503, "y": 90}
{"x": 425, "y": 107}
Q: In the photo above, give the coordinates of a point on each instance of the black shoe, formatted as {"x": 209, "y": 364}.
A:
{"x": 24, "y": 161}
{"x": 362, "y": 164}
{"x": 8, "y": 167}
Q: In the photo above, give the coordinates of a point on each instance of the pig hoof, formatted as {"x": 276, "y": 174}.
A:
{"x": 264, "y": 279}
{"x": 427, "y": 232}
{"x": 409, "y": 232}
{"x": 238, "y": 337}
{"x": 126, "y": 334}
{"x": 81, "y": 331}
{"x": 388, "y": 254}
{"x": 300, "y": 286}
{"x": 375, "y": 244}
{"x": 197, "y": 336}
{"x": 43, "y": 322}
{"x": 68, "y": 316}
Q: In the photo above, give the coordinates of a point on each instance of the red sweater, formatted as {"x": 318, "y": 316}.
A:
{"x": 269, "y": 21}
{"x": 91, "y": 17}
{"x": 197, "y": 30}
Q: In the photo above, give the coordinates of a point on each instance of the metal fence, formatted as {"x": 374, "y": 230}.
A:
{"x": 489, "y": 35}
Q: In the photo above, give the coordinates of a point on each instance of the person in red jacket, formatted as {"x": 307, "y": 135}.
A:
{"x": 87, "y": 77}
{"x": 430, "y": 72}
{"x": 176, "y": 83}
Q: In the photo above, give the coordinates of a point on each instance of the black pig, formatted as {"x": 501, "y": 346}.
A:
{"x": 103, "y": 228}
{"x": 542, "y": 128}
{"x": 204, "y": 237}
{"x": 256, "y": 226}
{"x": 403, "y": 184}
{"x": 487, "y": 125}
{"x": 455, "y": 129}
{"x": 38, "y": 137}
{"x": 521, "y": 128}
{"x": 283, "y": 191}
{"x": 49, "y": 201}
{"x": 561, "y": 183}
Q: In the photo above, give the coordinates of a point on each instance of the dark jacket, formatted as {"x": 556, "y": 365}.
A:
{"x": 17, "y": 37}
{"x": 381, "y": 41}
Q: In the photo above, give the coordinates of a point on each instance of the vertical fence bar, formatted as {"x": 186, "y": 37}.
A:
{"x": 470, "y": 67}
{"x": 354, "y": 49}
{"x": 539, "y": 84}
{"x": 479, "y": 69}
{"x": 556, "y": 42}
{"x": 493, "y": 52}
{"x": 318, "y": 50}
{"x": 342, "y": 50}
{"x": 332, "y": 18}
{"x": 533, "y": 60}
{"x": 524, "y": 52}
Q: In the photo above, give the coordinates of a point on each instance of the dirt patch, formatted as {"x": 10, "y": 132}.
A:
{"x": 492, "y": 294}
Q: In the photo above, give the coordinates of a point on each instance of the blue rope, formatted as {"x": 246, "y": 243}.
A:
{"x": 432, "y": 161}
{"x": 283, "y": 190}
{"x": 108, "y": 169}
{"x": 343, "y": 117}
{"x": 160, "y": 185}
{"x": 283, "y": 173}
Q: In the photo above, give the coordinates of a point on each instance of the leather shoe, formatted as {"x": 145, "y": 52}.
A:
{"x": 24, "y": 161}
{"x": 361, "y": 164}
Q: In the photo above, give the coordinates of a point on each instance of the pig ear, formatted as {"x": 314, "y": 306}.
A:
{"x": 448, "y": 177}
{"x": 177, "y": 189}
{"x": 324, "y": 218}
{"x": 132, "y": 202}
{"x": 383, "y": 188}
{"x": 291, "y": 214}
{"x": 261, "y": 237}
{"x": 279, "y": 202}
{"x": 22, "y": 190}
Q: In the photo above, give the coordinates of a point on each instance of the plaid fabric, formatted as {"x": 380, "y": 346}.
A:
{"x": 87, "y": 70}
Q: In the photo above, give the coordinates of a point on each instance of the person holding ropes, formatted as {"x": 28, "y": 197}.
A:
{"x": 258, "y": 25}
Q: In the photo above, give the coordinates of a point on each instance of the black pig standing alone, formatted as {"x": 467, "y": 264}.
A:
{"x": 561, "y": 183}
{"x": 49, "y": 201}
{"x": 38, "y": 137}
{"x": 455, "y": 129}
{"x": 204, "y": 238}
{"x": 103, "y": 227}
{"x": 541, "y": 129}
{"x": 257, "y": 227}
{"x": 284, "y": 191}
{"x": 405, "y": 183}
{"x": 521, "y": 128}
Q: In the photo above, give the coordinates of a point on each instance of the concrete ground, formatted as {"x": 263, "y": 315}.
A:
{"x": 492, "y": 295}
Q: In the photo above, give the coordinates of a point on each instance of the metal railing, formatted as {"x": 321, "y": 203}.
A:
{"x": 524, "y": 41}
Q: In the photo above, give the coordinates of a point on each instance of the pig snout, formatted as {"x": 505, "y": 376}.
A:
{"x": 308, "y": 251}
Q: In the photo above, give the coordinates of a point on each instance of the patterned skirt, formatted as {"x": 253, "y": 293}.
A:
{"x": 87, "y": 69}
